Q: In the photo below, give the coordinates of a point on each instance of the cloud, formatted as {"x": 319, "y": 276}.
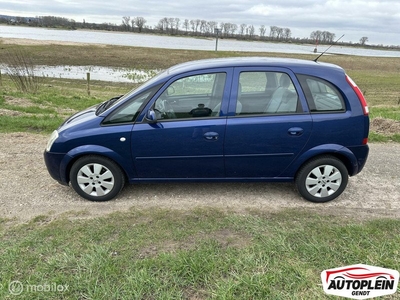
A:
{"x": 379, "y": 20}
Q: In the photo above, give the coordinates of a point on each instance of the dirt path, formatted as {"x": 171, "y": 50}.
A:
{"x": 26, "y": 189}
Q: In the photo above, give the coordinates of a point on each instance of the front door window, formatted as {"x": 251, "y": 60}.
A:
{"x": 197, "y": 96}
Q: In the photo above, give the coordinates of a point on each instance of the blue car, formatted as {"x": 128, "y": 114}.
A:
{"x": 234, "y": 119}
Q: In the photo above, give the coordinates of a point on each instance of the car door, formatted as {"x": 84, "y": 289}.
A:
{"x": 268, "y": 124}
{"x": 186, "y": 140}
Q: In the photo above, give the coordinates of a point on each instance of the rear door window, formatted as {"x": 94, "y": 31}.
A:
{"x": 321, "y": 95}
{"x": 265, "y": 93}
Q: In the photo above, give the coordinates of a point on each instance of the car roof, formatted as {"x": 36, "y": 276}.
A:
{"x": 294, "y": 64}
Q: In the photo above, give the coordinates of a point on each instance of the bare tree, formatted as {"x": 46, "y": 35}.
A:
{"x": 197, "y": 22}
{"x": 139, "y": 22}
{"x": 233, "y": 29}
{"x": 316, "y": 36}
{"x": 125, "y": 22}
{"x": 192, "y": 25}
{"x": 279, "y": 33}
{"x": 221, "y": 26}
{"x": 177, "y": 22}
{"x": 251, "y": 31}
{"x": 287, "y": 33}
{"x": 171, "y": 22}
{"x": 186, "y": 25}
{"x": 226, "y": 28}
{"x": 242, "y": 29}
{"x": 263, "y": 30}
{"x": 211, "y": 26}
{"x": 331, "y": 37}
{"x": 132, "y": 23}
{"x": 273, "y": 32}
{"x": 323, "y": 36}
{"x": 203, "y": 26}
{"x": 162, "y": 25}
{"x": 166, "y": 24}
{"x": 363, "y": 40}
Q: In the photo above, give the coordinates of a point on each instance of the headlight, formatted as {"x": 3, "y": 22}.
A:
{"x": 52, "y": 139}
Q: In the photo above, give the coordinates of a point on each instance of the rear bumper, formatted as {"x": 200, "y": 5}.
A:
{"x": 361, "y": 154}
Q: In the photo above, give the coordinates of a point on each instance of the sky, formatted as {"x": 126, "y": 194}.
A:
{"x": 379, "y": 20}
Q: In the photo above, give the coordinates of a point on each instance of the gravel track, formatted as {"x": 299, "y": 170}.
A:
{"x": 27, "y": 190}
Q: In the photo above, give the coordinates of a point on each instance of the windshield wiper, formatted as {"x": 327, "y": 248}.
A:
{"x": 107, "y": 104}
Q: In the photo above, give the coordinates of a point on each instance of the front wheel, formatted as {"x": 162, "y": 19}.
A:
{"x": 322, "y": 179}
{"x": 96, "y": 178}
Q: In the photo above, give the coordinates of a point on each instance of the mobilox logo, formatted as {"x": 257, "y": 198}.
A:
{"x": 360, "y": 281}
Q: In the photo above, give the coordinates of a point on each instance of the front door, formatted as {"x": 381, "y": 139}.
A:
{"x": 186, "y": 141}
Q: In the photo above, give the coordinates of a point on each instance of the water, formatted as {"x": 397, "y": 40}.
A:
{"x": 96, "y": 73}
{"x": 169, "y": 42}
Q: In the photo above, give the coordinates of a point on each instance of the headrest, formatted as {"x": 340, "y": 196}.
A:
{"x": 284, "y": 81}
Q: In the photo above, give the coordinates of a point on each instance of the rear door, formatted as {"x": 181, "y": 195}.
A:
{"x": 268, "y": 125}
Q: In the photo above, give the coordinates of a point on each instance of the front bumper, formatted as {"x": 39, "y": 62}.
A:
{"x": 53, "y": 164}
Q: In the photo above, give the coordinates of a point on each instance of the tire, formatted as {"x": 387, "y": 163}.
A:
{"x": 322, "y": 179}
{"x": 96, "y": 178}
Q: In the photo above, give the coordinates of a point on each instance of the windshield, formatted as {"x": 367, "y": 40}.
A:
{"x": 129, "y": 111}
{"x": 139, "y": 89}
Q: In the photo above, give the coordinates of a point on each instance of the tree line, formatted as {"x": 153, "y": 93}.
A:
{"x": 201, "y": 27}
{"x": 176, "y": 26}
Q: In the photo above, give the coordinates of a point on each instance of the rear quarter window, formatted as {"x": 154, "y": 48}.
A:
{"x": 321, "y": 95}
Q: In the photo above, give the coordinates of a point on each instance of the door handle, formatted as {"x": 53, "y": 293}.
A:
{"x": 211, "y": 136}
{"x": 295, "y": 131}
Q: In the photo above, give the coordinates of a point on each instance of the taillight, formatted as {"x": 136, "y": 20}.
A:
{"x": 359, "y": 95}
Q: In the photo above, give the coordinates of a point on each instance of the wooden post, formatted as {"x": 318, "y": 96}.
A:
{"x": 88, "y": 83}
{"x": 216, "y": 31}
{"x": 1, "y": 82}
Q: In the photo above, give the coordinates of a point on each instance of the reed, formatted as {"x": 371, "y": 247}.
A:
{"x": 20, "y": 68}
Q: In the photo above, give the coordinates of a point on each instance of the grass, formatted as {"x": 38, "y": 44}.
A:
{"x": 381, "y": 138}
{"x": 45, "y": 110}
{"x": 379, "y": 87}
{"x": 388, "y": 113}
{"x": 392, "y": 112}
{"x": 32, "y": 124}
{"x": 199, "y": 254}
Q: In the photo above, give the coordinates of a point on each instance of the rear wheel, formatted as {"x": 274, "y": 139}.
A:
{"x": 96, "y": 178}
{"x": 322, "y": 179}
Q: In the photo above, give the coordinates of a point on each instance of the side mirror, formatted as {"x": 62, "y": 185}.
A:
{"x": 151, "y": 116}
{"x": 170, "y": 90}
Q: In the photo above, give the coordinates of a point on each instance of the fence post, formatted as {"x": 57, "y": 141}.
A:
{"x": 88, "y": 83}
{"x": 1, "y": 82}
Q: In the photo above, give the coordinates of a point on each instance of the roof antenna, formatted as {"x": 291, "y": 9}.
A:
{"x": 328, "y": 48}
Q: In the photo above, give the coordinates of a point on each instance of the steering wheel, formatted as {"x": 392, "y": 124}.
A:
{"x": 166, "y": 108}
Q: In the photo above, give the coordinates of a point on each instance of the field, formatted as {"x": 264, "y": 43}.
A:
{"x": 194, "y": 253}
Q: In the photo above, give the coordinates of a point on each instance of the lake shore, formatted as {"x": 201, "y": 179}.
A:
{"x": 33, "y": 42}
